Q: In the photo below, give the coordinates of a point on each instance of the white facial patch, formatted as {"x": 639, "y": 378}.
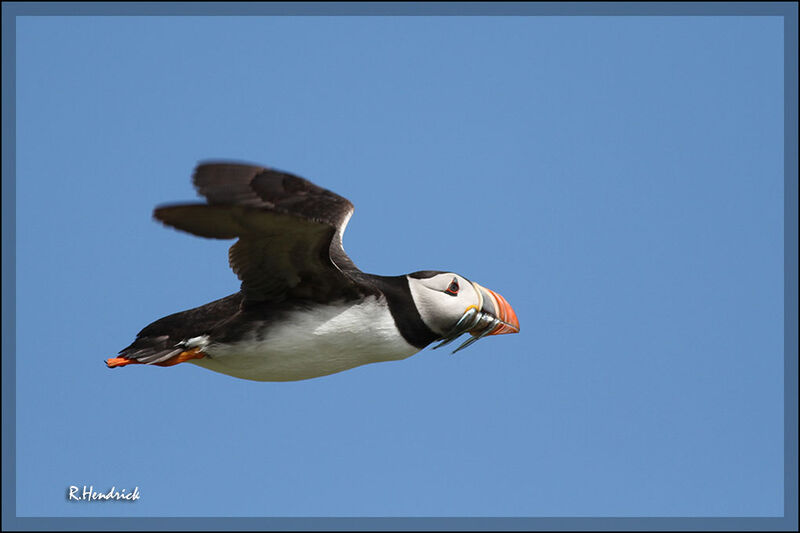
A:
{"x": 439, "y": 309}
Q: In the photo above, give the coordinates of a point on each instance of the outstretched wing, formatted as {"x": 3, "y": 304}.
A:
{"x": 289, "y": 231}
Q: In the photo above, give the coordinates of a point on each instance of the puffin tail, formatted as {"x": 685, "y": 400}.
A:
{"x": 155, "y": 351}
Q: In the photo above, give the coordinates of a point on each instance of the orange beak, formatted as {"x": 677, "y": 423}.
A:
{"x": 495, "y": 317}
{"x": 497, "y": 306}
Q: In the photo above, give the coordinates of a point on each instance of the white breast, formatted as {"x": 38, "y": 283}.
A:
{"x": 312, "y": 343}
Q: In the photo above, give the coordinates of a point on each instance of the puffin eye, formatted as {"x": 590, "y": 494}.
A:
{"x": 452, "y": 289}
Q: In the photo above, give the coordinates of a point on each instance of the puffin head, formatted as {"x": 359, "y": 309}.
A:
{"x": 451, "y": 305}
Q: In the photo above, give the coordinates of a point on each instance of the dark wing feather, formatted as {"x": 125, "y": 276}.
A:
{"x": 289, "y": 231}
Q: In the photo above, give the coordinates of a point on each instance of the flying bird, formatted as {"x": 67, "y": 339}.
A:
{"x": 304, "y": 309}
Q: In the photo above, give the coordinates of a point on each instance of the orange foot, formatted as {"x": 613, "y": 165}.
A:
{"x": 118, "y": 361}
{"x": 182, "y": 357}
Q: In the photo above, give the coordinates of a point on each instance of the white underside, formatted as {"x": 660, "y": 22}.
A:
{"x": 313, "y": 343}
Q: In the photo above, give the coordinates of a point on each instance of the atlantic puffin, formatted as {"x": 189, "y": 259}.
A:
{"x": 304, "y": 309}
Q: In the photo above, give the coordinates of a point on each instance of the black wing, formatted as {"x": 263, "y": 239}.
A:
{"x": 289, "y": 231}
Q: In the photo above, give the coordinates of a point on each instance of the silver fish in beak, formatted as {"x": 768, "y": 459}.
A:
{"x": 493, "y": 316}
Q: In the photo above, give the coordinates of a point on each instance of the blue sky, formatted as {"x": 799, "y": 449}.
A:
{"x": 618, "y": 179}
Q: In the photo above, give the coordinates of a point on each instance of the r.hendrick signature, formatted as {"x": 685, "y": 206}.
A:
{"x": 90, "y": 495}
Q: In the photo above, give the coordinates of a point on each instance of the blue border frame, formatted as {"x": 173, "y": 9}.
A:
{"x": 788, "y": 10}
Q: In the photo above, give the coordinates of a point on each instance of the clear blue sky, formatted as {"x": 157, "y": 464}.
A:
{"x": 618, "y": 180}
